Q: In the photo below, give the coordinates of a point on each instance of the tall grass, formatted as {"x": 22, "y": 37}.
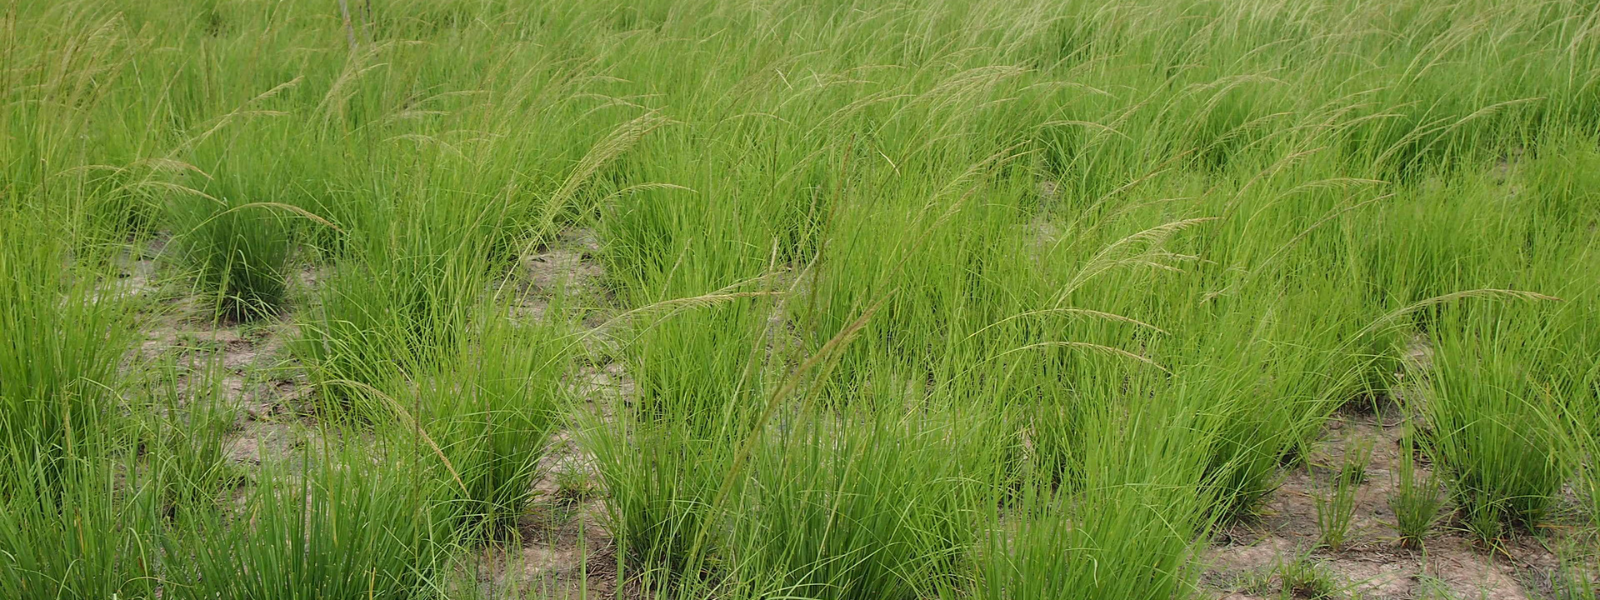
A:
{"x": 659, "y": 481}
{"x": 238, "y": 250}
{"x": 65, "y": 327}
{"x": 77, "y": 517}
{"x": 491, "y": 413}
{"x": 866, "y": 506}
{"x": 1130, "y": 530}
{"x": 184, "y": 439}
{"x": 400, "y": 303}
{"x": 945, "y": 298}
{"x": 357, "y": 523}
{"x": 1498, "y": 433}
{"x": 87, "y": 526}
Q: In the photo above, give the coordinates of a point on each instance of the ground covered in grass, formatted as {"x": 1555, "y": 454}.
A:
{"x": 836, "y": 300}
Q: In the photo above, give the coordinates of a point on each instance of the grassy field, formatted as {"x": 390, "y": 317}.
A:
{"x": 844, "y": 299}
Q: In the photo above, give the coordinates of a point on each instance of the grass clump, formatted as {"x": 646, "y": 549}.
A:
{"x": 185, "y": 440}
{"x": 358, "y": 523}
{"x": 1417, "y": 501}
{"x": 491, "y": 413}
{"x": 238, "y": 251}
{"x": 1496, "y": 431}
{"x": 400, "y": 303}
{"x": 1129, "y": 531}
{"x": 1302, "y": 577}
{"x": 862, "y": 505}
{"x": 64, "y": 328}
{"x": 1264, "y": 417}
{"x": 1336, "y": 510}
{"x": 85, "y": 526}
{"x": 1381, "y": 363}
{"x": 659, "y": 482}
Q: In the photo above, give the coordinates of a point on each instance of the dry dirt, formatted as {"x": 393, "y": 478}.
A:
{"x": 1373, "y": 565}
{"x": 1244, "y": 561}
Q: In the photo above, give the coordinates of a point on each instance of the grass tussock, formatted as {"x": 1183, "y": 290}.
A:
{"x": 1498, "y": 432}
